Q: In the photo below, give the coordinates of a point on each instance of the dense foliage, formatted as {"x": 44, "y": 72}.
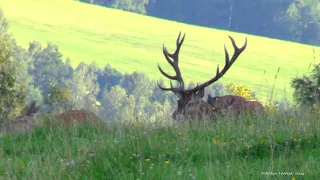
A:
{"x": 307, "y": 88}
{"x": 12, "y": 96}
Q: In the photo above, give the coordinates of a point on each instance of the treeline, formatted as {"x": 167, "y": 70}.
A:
{"x": 294, "y": 20}
{"x": 39, "y": 73}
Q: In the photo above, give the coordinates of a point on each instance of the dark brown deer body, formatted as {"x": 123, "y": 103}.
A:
{"x": 233, "y": 104}
{"x": 190, "y": 103}
{"x": 254, "y": 106}
{"x": 76, "y": 116}
{"x": 224, "y": 102}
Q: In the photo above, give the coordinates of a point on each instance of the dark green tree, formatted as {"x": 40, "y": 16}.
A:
{"x": 303, "y": 20}
{"x": 85, "y": 87}
{"x": 307, "y": 88}
{"x": 113, "y": 102}
{"x": 108, "y": 78}
{"x": 58, "y": 99}
{"x": 12, "y": 93}
{"x": 48, "y": 67}
{"x": 137, "y": 6}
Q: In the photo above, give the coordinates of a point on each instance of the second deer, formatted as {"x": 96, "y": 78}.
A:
{"x": 24, "y": 122}
{"x": 75, "y": 117}
{"x": 233, "y": 104}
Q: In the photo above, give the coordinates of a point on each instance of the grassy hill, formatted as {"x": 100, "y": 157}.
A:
{"x": 132, "y": 42}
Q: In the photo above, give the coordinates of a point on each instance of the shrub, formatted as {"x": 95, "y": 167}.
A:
{"x": 307, "y": 88}
{"x": 240, "y": 90}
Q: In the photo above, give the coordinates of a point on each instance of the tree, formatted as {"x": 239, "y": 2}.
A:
{"x": 12, "y": 93}
{"x": 48, "y": 67}
{"x": 85, "y": 87}
{"x": 303, "y": 20}
{"x": 59, "y": 99}
{"x": 307, "y": 88}
{"x": 137, "y": 6}
{"x": 107, "y": 78}
{"x": 24, "y": 63}
{"x": 113, "y": 102}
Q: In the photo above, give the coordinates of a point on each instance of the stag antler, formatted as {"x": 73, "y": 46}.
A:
{"x": 219, "y": 74}
{"x": 178, "y": 77}
{"x": 175, "y": 65}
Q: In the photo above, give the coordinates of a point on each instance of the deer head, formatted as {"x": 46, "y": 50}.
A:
{"x": 192, "y": 98}
{"x": 26, "y": 121}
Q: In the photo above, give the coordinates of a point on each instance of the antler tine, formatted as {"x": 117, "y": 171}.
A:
{"x": 178, "y": 44}
{"x": 237, "y": 50}
{"x": 228, "y": 64}
{"x": 175, "y": 64}
{"x": 178, "y": 89}
{"x": 166, "y": 74}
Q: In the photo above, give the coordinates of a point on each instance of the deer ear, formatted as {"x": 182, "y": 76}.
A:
{"x": 201, "y": 92}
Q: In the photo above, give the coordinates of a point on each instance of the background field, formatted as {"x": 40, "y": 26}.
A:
{"x": 132, "y": 42}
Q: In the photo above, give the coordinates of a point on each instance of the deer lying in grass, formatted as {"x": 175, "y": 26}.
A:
{"x": 190, "y": 103}
{"x": 234, "y": 104}
{"x": 76, "y": 116}
{"x": 24, "y": 122}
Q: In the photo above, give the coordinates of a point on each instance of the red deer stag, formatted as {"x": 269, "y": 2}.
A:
{"x": 190, "y": 103}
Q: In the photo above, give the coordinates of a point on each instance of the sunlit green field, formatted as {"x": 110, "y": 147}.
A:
{"x": 131, "y": 42}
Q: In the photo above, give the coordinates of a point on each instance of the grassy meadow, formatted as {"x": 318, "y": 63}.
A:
{"x": 281, "y": 146}
{"x": 132, "y": 42}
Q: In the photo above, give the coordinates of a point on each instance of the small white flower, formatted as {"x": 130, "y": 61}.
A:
{"x": 91, "y": 154}
{"x": 71, "y": 163}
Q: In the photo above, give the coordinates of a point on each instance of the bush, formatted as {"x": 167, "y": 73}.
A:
{"x": 12, "y": 93}
{"x": 240, "y": 90}
{"x": 307, "y": 88}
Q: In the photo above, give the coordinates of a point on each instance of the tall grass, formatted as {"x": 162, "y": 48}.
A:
{"x": 250, "y": 147}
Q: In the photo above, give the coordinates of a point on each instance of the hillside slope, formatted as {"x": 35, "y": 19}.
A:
{"x": 132, "y": 42}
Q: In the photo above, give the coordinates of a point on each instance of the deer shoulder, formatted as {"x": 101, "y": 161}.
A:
{"x": 224, "y": 102}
